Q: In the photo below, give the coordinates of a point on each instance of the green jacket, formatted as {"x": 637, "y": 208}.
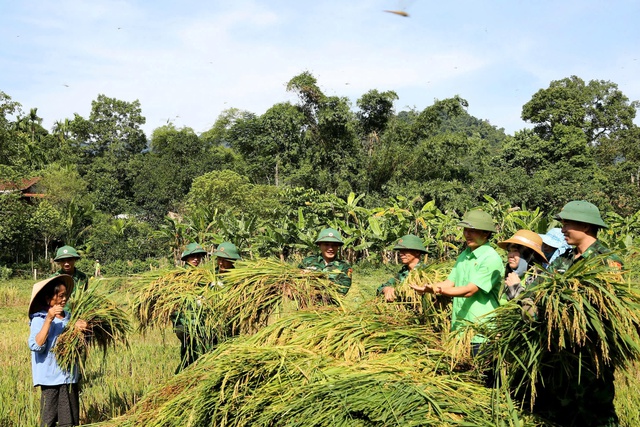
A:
{"x": 398, "y": 278}
{"x": 339, "y": 271}
{"x": 567, "y": 258}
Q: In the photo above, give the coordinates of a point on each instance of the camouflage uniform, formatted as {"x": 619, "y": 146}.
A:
{"x": 80, "y": 280}
{"x": 400, "y": 277}
{"x": 339, "y": 272}
{"x": 574, "y": 395}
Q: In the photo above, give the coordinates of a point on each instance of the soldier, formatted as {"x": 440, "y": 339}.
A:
{"x": 476, "y": 278}
{"x": 193, "y": 254}
{"x": 226, "y": 254}
{"x": 329, "y": 241}
{"x": 589, "y": 400}
{"x": 66, "y": 258}
{"x": 411, "y": 250}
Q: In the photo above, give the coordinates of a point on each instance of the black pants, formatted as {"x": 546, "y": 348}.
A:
{"x": 60, "y": 404}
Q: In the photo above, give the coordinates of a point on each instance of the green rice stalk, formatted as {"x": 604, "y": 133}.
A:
{"x": 107, "y": 325}
{"x": 588, "y": 319}
{"x": 259, "y": 292}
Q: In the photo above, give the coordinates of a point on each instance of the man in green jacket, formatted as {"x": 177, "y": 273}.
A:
{"x": 411, "y": 250}
{"x": 476, "y": 278}
{"x": 339, "y": 272}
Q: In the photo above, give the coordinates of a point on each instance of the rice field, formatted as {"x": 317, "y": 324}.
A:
{"x": 114, "y": 385}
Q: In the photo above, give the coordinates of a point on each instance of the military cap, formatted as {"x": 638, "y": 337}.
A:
{"x": 227, "y": 250}
{"x": 410, "y": 241}
{"x": 581, "y": 211}
{"x": 329, "y": 235}
{"x": 192, "y": 249}
{"x": 66, "y": 252}
{"x": 478, "y": 220}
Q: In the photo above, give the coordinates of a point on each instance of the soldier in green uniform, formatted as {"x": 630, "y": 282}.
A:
{"x": 66, "y": 258}
{"x": 329, "y": 241}
{"x": 226, "y": 254}
{"x": 411, "y": 250}
{"x": 192, "y": 256}
{"x": 588, "y": 399}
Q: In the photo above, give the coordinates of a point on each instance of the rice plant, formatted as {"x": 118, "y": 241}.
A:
{"x": 107, "y": 325}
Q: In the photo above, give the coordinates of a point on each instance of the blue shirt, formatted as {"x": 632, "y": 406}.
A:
{"x": 44, "y": 366}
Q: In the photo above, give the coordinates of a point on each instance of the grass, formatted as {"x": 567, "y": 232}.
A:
{"x": 126, "y": 376}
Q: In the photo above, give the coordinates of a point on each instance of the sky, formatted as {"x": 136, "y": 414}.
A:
{"x": 187, "y": 61}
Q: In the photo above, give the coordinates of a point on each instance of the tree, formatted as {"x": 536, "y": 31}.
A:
{"x": 598, "y": 108}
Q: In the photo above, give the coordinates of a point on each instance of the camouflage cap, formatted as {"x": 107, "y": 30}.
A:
{"x": 581, "y": 211}
{"x": 66, "y": 252}
{"x": 410, "y": 241}
{"x": 192, "y": 249}
{"x": 227, "y": 250}
{"x": 329, "y": 235}
{"x": 477, "y": 220}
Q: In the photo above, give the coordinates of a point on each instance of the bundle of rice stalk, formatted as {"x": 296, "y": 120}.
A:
{"x": 352, "y": 336}
{"x": 244, "y": 385}
{"x": 435, "y": 311}
{"x": 187, "y": 297}
{"x": 107, "y": 325}
{"x": 588, "y": 320}
{"x": 258, "y": 292}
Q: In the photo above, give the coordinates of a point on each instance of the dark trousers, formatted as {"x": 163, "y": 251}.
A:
{"x": 60, "y": 404}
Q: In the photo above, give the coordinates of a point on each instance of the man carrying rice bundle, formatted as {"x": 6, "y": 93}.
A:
{"x": 587, "y": 400}
{"x": 226, "y": 255}
{"x": 339, "y": 272}
{"x": 66, "y": 258}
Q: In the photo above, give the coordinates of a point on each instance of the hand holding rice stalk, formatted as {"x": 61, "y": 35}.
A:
{"x": 589, "y": 319}
{"x": 435, "y": 311}
{"x": 106, "y": 325}
{"x": 261, "y": 291}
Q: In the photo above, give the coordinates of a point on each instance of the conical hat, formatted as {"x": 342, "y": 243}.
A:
{"x": 38, "y": 287}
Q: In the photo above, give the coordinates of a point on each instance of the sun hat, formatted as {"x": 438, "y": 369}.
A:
{"x": 410, "y": 241}
{"x": 554, "y": 238}
{"x": 39, "y": 286}
{"x": 525, "y": 238}
{"x": 478, "y": 220}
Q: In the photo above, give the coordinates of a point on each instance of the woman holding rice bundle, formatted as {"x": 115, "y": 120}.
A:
{"x": 524, "y": 251}
{"x": 59, "y": 400}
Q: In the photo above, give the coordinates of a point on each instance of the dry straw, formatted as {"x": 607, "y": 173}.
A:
{"x": 107, "y": 326}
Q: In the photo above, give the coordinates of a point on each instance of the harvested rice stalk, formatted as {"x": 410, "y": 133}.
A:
{"x": 185, "y": 295}
{"x": 259, "y": 292}
{"x": 588, "y": 319}
{"x": 244, "y": 385}
{"x": 435, "y": 311}
{"x": 352, "y": 336}
{"x": 107, "y": 326}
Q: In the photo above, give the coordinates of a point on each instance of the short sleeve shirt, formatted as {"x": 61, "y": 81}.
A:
{"x": 483, "y": 267}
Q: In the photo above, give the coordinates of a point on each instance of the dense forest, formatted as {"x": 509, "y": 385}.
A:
{"x": 268, "y": 182}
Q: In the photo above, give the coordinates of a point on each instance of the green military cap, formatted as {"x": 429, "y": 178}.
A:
{"x": 227, "y": 250}
{"x": 477, "y": 220}
{"x": 581, "y": 211}
{"x": 192, "y": 249}
{"x": 329, "y": 235}
{"x": 66, "y": 252}
{"x": 410, "y": 241}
